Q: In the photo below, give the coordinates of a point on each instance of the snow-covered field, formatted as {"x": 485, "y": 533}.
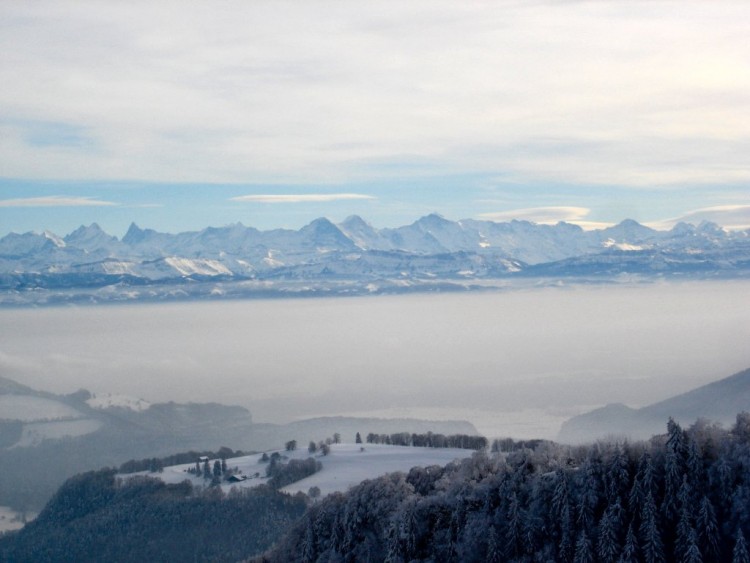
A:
{"x": 345, "y": 466}
{"x": 34, "y": 433}
{"x": 28, "y": 408}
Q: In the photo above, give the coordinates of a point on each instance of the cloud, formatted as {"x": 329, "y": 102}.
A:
{"x": 547, "y": 216}
{"x": 543, "y": 215}
{"x": 257, "y": 92}
{"x": 731, "y": 217}
{"x": 300, "y": 198}
{"x": 56, "y": 201}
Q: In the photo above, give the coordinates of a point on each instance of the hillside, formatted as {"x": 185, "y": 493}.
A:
{"x": 345, "y": 466}
{"x": 719, "y": 401}
{"x": 80, "y": 432}
{"x": 683, "y": 498}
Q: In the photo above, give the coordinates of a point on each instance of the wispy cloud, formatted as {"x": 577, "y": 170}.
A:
{"x": 731, "y": 217}
{"x": 300, "y": 198}
{"x": 544, "y": 215}
{"x": 547, "y": 216}
{"x": 56, "y": 201}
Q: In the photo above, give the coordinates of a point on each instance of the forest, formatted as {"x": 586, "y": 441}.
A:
{"x": 683, "y": 496}
{"x": 96, "y": 517}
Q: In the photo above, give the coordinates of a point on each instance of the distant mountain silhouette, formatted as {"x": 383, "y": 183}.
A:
{"x": 719, "y": 401}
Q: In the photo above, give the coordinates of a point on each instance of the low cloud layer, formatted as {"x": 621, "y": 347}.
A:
{"x": 732, "y": 217}
{"x": 300, "y": 198}
{"x": 559, "y": 350}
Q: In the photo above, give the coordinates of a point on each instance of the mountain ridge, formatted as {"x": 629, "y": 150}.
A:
{"x": 352, "y": 257}
{"x": 718, "y": 401}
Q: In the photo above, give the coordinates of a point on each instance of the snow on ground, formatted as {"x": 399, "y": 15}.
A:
{"x": 345, "y": 466}
{"x": 108, "y": 400}
{"x": 33, "y": 433}
{"x": 28, "y": 408}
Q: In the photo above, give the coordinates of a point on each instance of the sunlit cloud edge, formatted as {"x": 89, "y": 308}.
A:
{"x": 56, "y": 201}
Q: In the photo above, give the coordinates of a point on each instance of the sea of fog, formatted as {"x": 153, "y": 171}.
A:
{"x": 513, "y": 362}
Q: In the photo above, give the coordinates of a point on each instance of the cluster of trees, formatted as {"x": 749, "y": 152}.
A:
{"x": 429, "y": 440}
{"x": 683, "y": 496}
{"x": 282, "y": 474}
{"x": 96, "y": 517}
{"x": 154, "y": 464}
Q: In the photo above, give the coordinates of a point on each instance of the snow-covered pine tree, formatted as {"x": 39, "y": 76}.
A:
{"x": 740, "y": 555}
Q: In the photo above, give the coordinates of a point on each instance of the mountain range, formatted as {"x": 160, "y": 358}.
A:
{"x": 718, "y": 402}
{"x": 351, "y": 257}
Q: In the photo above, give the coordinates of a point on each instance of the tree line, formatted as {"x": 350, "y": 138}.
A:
{"x": 680, "y": 497}
{"x": 429, "y": 440}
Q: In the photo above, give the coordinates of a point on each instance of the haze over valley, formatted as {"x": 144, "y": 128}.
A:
{"x": 514, "y": 363}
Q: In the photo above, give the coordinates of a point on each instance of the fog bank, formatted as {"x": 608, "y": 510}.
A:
{"x": 554, "y": 351}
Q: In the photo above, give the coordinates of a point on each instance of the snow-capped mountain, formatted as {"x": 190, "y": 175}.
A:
{"x": 354, "y": 255}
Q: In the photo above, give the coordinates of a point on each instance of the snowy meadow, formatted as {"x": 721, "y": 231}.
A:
{"x": 515, "y": 362}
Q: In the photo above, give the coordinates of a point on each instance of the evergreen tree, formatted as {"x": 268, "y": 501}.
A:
{"x": 217, "y": 468}
{"x": 692, "y": 554}
{"x": 308, "y": 544}
{"x": 514, "y": 530}
{"x": 494, "y": 553}
{"x": 584, "y": 552}
{"x": 630, "y": 549}
{"x": 708, "y": 530}
{"x": 618, "y": 475}
{"x": 358, "y": 439}
{"x": 685, "y": 534}
{"x": 608, "y": 546}
{"x": 651, "y": 542}
{"x": 740, "y": 555}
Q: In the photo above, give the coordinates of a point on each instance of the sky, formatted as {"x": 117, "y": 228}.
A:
{"x": 181, "y": 115}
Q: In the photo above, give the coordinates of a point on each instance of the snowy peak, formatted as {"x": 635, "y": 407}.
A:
{"x": 134, "y": 235}
{"x": 90, "y": 238}
{"x": 363, "y": 234}
{"x": 323, "y": 233}
{"x": 434, "y": 221}
{"x": 628, "y": 231}
{"x": 14, "y": 245}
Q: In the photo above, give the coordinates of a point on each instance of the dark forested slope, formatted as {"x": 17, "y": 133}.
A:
{"x": 94, "y": 517}
{"x": 684, "y": 496}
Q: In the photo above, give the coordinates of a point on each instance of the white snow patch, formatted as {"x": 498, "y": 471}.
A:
{"x": 610, "y": 243}
{"x": 187, "y": 267}
{"x": 108, "y": 400}
{"x": 34, "y": 433}
{"x": 29, "y": 408}
{"x": 510, "y": 266}
{"x": 117, "y": 268}
{"x": 269, "y": 260}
